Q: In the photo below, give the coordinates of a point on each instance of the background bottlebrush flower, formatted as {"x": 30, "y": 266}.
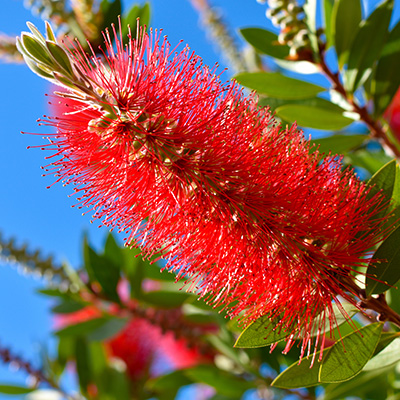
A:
{"x": 191, "y": 168}
{"x": 392, "y": 114}
{"x": 142, "y": 346}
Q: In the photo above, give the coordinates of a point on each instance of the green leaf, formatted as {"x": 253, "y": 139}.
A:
{"x": 367, "y": 45}
{"x": 110, "y": 328}
{"x": 165, "y": 299}
{"x": 341, "y": 362}
{"x": 225, "y": 383}
{"x": 339, "y": 144}
{"x": 137, "y": 11}
{"x": 114, "y": 384}
{"x": 68, "y": 306}
{"x": 310, "y": 11}
{"x": 386, "y": 270}
{"x": 339, "y": 365}
{"x": 103, "y": 270}
{"x": 60, "y": 57}
{"x": 83, "y": 365}
{"x": 328, "y": 9}
{"x": 369, "y": 160}
{"x": 36, "y": 33}
{"x": 110, "y": 9}
{"x": 50, "y": 33}
{"x": 366, "y": 385}
{"x": 82, "y": 328}
{"x": 261, "y": 333}
{"x": 384, "y": 179}
{"x": 299, "y": 375}
{"x": 311, "y": 117}
{"x": 276, "y": 85}
{"x": 387, "y": 79}
{"x": 113, "y": 252}
{"x": 346, "y": 17}
{"x": 13, "y": 389}
{"x": 388, "y": 356}
{"x": 340, "y": 318}
{"x": 169, "y": 382}
{"x": 36, "y": 50}
{"x": 265, "y": 42}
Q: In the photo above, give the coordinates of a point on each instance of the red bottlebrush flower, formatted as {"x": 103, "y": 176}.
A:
{"x": 192, "y": 168}
{"x": 392, "y": 114}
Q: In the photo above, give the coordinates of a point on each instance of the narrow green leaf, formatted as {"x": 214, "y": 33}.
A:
{"x": 110, "y": 328}
{"x": 311, "y": 117}
{"x": 225, "y": 383}
{"x": 104, "y": 271}
{"x": 172, "y": 381}
{"x": 68, "y": 306}
{"x": 261, "y": 333}
{"x": 38, "y": 71}
{"x": 50, "y": 33}
{"x": 137, "y": 11}
{"x": 60, "y": 57}
{"x": 299, "y": 375}
{"x": 387, "y": 79}
{"x": 36, "y": 50}
{"x": 388, "y": 356}
{"x": 328, "y": 9}
{"x": 369, "y": 160}
{"x": 386, "y": 270}
{"x": 276, "y": 85}
{"x": 346, "y": 17}
{"x": 13, "y": 389}
{"x": 113, "y": 252}
{"x": 83, "y": 365}
{"x": 342, "y": 361}
{"x": 82, "y": 328}
{"x": 367, "y": 45}
{"x": 165, "y": 299}
{"x": 265, "y": 42}
{"x": 384, "y": 179}
{"x": 310, "y": 11}
{"x": 110, "y": 9}
{"x": 339, "y": 144}
{"x": 36, "y": 33}
{"x": 347, "y": 358}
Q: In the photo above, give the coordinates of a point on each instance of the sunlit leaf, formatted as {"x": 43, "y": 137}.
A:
{"x": 265, "y": 42}
{"x": 388, "y": 356}
{"x": 13, "y": 389}
{"x": 339, "y": 144}
{"x": 367, "y": 45}
{"x": 276, "y": 85}
{"x": 346, "y": 17}
{"x": 339, "y": 365}
{"x": 386, "y": 80}
{"x": 344, "y": 360}
{"x": 261, "y": 333}
{"x": 311, "y": 117}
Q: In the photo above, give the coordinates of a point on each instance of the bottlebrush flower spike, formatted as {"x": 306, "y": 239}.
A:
{"x": 187, "y": 166}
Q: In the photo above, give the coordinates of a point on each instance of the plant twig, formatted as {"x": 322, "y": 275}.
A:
{"x": 375, "y": 127}
{"x": 9, "y": 358}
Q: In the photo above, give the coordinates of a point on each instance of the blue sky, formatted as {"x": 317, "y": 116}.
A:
{"x": 44, "y": 217}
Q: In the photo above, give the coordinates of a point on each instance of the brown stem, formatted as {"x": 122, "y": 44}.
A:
{"x": 375, "y": 127}
{"x": 379, "y": 304}
{"x": 8, "y": 357}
